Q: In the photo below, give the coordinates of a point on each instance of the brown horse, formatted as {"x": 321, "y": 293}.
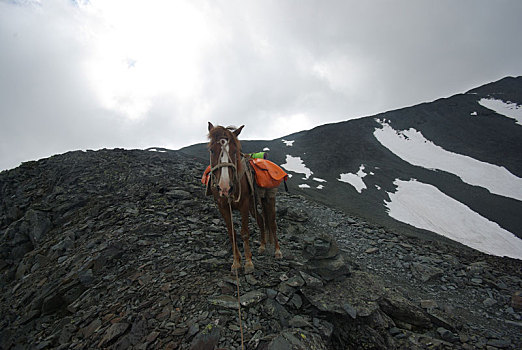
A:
{"x": 232, "y": 186}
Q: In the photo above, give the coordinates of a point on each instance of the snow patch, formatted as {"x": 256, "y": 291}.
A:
{"x": 411, "y": 146}
{"x": 296, "y": 165}
{"x": 355, "y": 179}
{"x": 320, "y": 187}
{"x": 507, "y": 109}
{"x": 426, "y": 207}
{"x": 318, "y": 179}
{"x": 473, "y": 113}
{"x": 288, "y": 143}
{"x": 304, "y": 186}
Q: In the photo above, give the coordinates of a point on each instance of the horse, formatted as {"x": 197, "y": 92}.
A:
{"x": 232, "y": 186}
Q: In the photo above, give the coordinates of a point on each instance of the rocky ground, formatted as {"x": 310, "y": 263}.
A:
{"x": 121, "y": 249}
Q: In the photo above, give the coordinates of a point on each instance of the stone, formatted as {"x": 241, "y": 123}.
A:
{"x": 476, "y": 281}
{"x": 193, "y": 329}
{"x": 271, "y": 293}
{"x": 86, "y": 277}
{"x": 323, "y": 246}
{"x": 275, "y": 310}
{"x": 425, "y": 273}
{"x": 282, "y": 298}
{"x": 53, "y": 303}
{"x": 252, "y": 298}
{"x": 87, "y": 331}
{"x": 37, "y": 225}
{"x": 299, "y": 321}
{"x": 447, "y": 335}
{"x": 399, "y": 308}
{"x": 311, "y": 281}
{"x": 428, "y": 304}
{"x": 207, "y": 339}
{"x": 326, "y": 328}
{"x": 350, "y": 310}
{"x": 488, "y": 302}
{"x": 113, "y": 333}
{"x": 516, "y": 300}
{"x": 296, "y": 301}
{"x": 371, "y": 250}
{"x": 395, "y": 331}
{"x": 224, "y": 301}
{"x": 296, "y": 339}
{"x": 499, "y": 343}
{"x": 329, "y": 269}
{"x": 295, "y": 281}
{"x": 296, "y": 215}
{"x": 178, "y": 194}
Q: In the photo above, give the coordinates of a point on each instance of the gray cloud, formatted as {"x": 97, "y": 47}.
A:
{"x": 277, "y": 67}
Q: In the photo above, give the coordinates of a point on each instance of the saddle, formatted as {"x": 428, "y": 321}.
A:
{"x": 266, "y": 173}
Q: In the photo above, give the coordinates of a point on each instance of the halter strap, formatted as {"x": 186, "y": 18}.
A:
{"x": 222, "y": 165}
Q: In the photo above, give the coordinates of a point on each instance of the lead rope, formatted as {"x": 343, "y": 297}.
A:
{"x": 237, "y": 277}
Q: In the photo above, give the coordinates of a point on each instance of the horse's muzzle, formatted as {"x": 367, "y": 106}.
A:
{"x": 224, "y": 191}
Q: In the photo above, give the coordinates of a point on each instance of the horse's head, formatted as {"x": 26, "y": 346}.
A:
{"x": 225, "y": 153}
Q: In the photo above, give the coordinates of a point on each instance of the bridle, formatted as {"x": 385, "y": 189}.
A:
{"x": 224, "y": 142}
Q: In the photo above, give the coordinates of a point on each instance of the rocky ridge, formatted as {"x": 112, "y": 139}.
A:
{"x": 121, "y": 249}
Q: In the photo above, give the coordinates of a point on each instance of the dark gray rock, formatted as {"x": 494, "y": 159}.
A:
{"x": 400, "y": 309}
{"x": 113, "y": 333}
{"x": 499, "y": 343}
{"x": 36, "y": 224}
{"x": 329, "y": 269}
{"x": 224, "y": 301}
{"x": 178, "y": 194}
{"x": 207, "y": 339}
{"x": 321, "y": 247}
{"x": 252, "y": 298}
{"x": 425, "y": 273}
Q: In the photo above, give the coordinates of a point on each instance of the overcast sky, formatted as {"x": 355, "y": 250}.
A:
{"x": 135, "y": 74}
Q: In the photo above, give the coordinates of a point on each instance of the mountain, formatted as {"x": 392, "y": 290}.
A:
{"x": 448, "y": 169}
{"x": 121, "y": 249}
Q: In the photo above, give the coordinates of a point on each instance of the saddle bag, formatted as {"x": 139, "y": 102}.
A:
{"x": 206, "y": 176}
{"x": 267, "y": 173}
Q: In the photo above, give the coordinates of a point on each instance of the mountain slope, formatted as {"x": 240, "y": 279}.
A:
{"x": 120, "y": 249}
{"x": 478, "y": 171}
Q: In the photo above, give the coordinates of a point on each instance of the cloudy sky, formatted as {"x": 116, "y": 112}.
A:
{"x": 135, "y": 74}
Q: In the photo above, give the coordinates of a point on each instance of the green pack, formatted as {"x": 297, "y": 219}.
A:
{"x": 261, "y": 155}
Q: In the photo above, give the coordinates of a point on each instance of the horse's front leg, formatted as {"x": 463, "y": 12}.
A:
{"x": 226, "y": 213}
{"x": 245, "y": 234}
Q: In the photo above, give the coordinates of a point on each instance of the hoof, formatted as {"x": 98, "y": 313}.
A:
{"x": 278, "y": 254}
{"x": 261, "y": 249}
{"x": 249, "y": 267}
{"x": 235, "y": 266}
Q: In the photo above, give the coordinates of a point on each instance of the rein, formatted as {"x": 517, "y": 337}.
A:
{"x": 237, "y": 278}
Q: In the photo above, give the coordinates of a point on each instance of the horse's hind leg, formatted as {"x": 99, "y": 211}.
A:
{"x": 270, "y": 215}
{"x": 262, "y": 229}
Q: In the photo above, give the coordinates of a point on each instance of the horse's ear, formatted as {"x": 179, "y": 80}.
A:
{"x": 238, "y": 131}
{"x": 210, "y": 126}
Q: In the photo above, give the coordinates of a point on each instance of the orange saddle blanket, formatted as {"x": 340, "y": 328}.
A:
{"x": 267, "y": 173}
